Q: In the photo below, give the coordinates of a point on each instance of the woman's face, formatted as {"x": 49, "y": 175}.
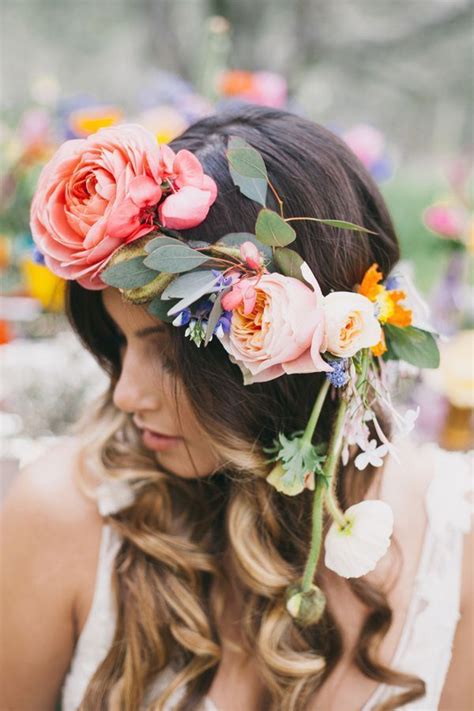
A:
{"x": 148, "y": 390}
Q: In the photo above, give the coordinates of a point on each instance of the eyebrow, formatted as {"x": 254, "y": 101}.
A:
{"x": 142, "y": 332}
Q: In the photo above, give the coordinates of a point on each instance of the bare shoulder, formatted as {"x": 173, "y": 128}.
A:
{"x": 50, "y": 485}
{"x": 50, "y": 539}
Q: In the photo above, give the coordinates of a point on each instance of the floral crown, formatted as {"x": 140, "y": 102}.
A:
{"x": 108, "y": 210}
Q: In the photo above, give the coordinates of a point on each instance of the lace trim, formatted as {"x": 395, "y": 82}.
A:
{"x": 435, "y": 603}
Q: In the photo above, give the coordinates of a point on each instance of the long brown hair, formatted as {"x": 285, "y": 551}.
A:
{"x": 178, "y": 532}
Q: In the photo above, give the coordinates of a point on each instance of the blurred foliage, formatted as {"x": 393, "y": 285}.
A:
{"x": 407, "y": 196}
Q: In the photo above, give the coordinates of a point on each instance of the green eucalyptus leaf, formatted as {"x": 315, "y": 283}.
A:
{"x": 189, "y": 283}
{"x": 253, "y": 188}
{"x": 128, "y": 274}
{"x": 175, "y": 259}
{"x": 160, "y": 308}
{"x": 189, "y": 288}
{"x": 344, "y": 225}
{"x": 160, "y": 242}
{"x": 245, "y": 160}
{"x": 214, "y": 316}
{"x": 271, "y": 229}
{"x": 412, "y": 345}
{"x": 289, "y": 262}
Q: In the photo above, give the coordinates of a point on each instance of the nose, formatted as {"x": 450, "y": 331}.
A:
{"x": 136, "y": 390}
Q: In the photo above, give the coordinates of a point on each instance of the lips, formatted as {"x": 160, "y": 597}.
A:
{"x": 157, "y": 441}
{"x": 142, "y": 426}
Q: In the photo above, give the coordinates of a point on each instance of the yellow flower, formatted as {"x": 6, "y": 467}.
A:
{"x": 84, "y": 122}
{"x": 385, "y": 305}
{"x": 43, "y": 285}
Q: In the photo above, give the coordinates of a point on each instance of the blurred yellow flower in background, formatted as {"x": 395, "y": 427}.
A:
{"x": 43, "y": 285}
{"x": 457, "y": 369}
{"x": 86, "y": 121}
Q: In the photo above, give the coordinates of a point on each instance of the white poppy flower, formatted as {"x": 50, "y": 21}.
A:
{"x": 355, "y": 550}
{"x": 372, "y": 455}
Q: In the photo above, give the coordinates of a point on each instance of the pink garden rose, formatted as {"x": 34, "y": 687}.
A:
{"x": 99, "y": 193}
{"x": 284, "y": 330}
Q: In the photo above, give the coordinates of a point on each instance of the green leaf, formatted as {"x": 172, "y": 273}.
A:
{"x": 214, "y": 316}
{"x": 289, "y": 262}
{"x": 253, "y": 188}
{"x": 128, "y": 274}
{"x": 188, "y": 283}
{"x": 160, "y": 308}
{"x": 272, "y": 229}
{"x": 412, "y": 345}
{"x": 344, "y": 225}
{"x": 245, "y": 160}
{"x": 175, "y": 259}
{"x": 190, "y": 287}
{"x": 160, "y": 242}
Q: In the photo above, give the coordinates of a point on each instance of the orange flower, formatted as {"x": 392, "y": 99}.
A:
{"x": 381, "y": 346}
{"x": 370, "y": 286}
{"x": 236, "y": 81}
{"x": 400, "y": 316}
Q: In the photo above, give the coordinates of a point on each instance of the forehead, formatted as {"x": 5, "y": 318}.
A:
{"x": 129, "y": 317}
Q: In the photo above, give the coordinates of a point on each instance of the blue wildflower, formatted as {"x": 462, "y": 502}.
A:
{"x": 37, "y": 257}
{"x": 222, "y": 281}
{"x": 392, "y": 282}
{"x": 183, "y": 318}
{"x": 339, "y": 375}
{"x": 223, "y": 324}
{"x": 203, "y": 308}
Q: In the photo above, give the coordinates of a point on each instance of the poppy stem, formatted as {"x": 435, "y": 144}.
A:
{"x": 320, "y": 493}
{"x": 317, "y": 407}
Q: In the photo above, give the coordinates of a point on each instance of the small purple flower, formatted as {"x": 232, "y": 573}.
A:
{"x": 339, "y": 375}
{"x": 223, "y": 324}
{"x": 392, "y": 282}
{"x": 183, "y": 318}
{"x": 37, "y": 256}
{"x": 222, "y": 281}
{"x": 203, "y": 308}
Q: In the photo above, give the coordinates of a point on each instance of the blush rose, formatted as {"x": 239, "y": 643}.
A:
{"x": 284, "y": 330}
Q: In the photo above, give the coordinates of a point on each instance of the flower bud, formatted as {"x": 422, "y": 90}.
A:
{"x": 306, "y": 607}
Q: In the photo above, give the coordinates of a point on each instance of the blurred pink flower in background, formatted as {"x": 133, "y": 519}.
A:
{"x": 369, "y": 145}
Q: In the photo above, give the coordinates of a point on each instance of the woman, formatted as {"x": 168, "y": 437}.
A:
{"x": 147, "y": 558}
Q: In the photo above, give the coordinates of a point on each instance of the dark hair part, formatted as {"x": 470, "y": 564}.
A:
{"x": 315, "y": 174}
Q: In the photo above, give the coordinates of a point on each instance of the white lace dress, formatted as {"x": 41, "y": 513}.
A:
{"x": 425, "y": 645}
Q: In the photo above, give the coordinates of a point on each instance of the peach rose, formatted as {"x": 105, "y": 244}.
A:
{"x": 94, "y": 195}
{"x": 351, "y": 323}
{"x": 284, "y": 330}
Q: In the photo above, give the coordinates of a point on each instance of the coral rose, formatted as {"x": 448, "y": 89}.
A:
{"x": 93, "y": 196}
{"x": 282, "y": 333}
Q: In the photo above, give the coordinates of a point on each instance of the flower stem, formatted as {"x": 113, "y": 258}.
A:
{"x": 314, "y": 417}
{"x": 278, "y": 198}
{"x": 332, "y": 505}
{"x": 316, "y": 531}
{"x": 334, "y": 451}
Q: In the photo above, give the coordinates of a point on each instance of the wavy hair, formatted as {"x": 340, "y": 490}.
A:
{"x": 169, "y": 577}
